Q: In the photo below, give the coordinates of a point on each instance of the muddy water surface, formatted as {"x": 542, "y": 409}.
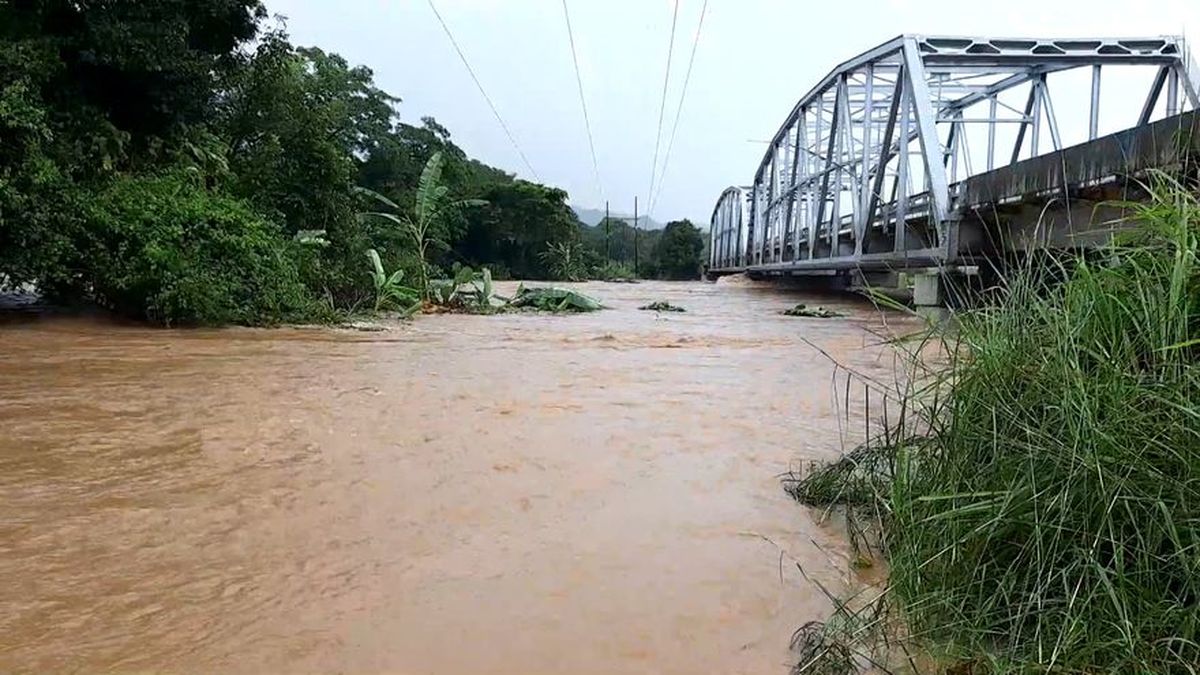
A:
{"x": 460, "y": 494}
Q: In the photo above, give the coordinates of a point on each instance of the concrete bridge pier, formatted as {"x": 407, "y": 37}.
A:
{"x": 928, "y": 294}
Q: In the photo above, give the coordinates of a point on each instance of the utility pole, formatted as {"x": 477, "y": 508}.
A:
{"x": 635, "y": 238}
{"x": 607, "y": 234}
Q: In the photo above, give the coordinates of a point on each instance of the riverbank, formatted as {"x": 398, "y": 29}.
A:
{"x": 1037, "y": 503}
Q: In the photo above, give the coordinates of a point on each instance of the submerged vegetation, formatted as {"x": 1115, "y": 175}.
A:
{"x": 1047, "y": 516}
{"x": 553, "y": 300}
{"x": 810, "y": 312}
{"x": 661, "y": 306}
{"x": 468, "y": 291}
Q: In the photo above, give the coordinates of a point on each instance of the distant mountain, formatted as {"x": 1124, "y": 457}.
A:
{"x": 593, "y": 217}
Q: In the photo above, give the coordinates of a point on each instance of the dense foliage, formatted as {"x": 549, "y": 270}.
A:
{"x": 674, "y": 252}
{"x": 167, "y": 249}
{"x": 166, "y": 160}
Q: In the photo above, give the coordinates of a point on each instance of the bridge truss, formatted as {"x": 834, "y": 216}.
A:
{"x": 865, "y": 169}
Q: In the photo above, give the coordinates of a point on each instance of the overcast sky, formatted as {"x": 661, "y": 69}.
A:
{"x": 755, "y": 59}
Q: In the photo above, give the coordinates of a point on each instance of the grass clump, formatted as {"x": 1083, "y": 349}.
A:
{"x": 1049, "y": 520}
{"x": 857, "y": 479}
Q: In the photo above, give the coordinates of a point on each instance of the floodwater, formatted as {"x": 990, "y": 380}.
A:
{"x": 460, "y": 494}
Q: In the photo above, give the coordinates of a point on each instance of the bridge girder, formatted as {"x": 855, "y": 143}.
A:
{"x": 864, "y": 166}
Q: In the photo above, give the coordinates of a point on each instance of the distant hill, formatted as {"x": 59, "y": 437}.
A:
{"x": 592, "y": 217}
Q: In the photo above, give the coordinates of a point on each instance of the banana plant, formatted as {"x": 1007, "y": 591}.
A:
{"x": 389, "y": 290}
{"x": 483, "y": 291}
{"x": 448, "y": 292}
{"x": 430, "y": 206}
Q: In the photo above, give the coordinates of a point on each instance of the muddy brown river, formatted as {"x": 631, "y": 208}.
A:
{"x": 459, "y": 494}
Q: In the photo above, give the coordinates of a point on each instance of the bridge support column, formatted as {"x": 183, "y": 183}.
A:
{"x": 928, "y": 295}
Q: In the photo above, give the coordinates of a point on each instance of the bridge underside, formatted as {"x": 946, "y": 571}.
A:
{"x": 874, "y": 170}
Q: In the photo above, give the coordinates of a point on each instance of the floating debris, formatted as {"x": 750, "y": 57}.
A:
{"x": 662, "y": 306}
{"x": 812, "y": 313}
{"x": 364, "y": 326}
{"x": 553, "y": 300}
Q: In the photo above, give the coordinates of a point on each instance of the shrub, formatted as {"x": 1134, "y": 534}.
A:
{"x": 165, "y": 249}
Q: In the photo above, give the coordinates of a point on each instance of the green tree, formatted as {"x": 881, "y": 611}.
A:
{"x": 126, "y": 81}
{"x": 89, "y": 90}
{"x": 394, "y": 165}
{"x": 677, "y": 252}
{"x": 295, "y": 120}
{"x": 521, "y": 220}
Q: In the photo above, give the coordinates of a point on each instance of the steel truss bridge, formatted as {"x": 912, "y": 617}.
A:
{"x": 926, "y": 152}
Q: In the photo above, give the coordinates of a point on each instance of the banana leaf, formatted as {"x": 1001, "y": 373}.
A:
{"x": 554, "y": 300}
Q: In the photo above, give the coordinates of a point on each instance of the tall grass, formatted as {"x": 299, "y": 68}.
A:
{"x": 1049, "y": 519}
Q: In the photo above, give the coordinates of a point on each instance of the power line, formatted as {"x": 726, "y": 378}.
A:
{"x": 662, "y": 107}
{"x": 679, "y": 111}
{"x": 487, "y": 98}
{"x": 583, "y": 100}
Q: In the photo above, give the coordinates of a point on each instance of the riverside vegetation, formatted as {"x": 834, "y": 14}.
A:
{"x": 183, "y": 163}
{"x": 1038, "y": 500}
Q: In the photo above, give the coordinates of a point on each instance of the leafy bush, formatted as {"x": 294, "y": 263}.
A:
{"x": 431, "y": 206}
{"x": 165, "y": 249}
{"x": 469, "y": 290}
